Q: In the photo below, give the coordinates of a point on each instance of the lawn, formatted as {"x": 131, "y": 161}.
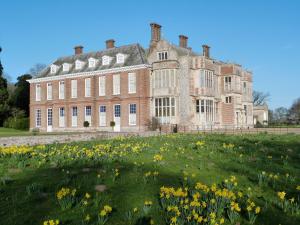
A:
{"x": 172, "y": 179}
{"x": 8, "y": 132}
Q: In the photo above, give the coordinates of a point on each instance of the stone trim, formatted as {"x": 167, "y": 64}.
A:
{"x": 91, "y": 73}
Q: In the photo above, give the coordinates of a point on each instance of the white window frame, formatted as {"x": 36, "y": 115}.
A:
{"x": 227, "y": 84}
{"x": 102, "y": 115}
{"x": 132, "y": 114}
{"x": 102, "y": 85}
{"x": 92, "y": 62}
{"x": 66, "y": 67}
{"x": 78, "y": 65}
{"x": 73, "y": 117}
{"x": 131, "y": 83}
{"x": 86, "y": 116}
{"x": 38, "y": 118}
{"x": 116, "y": 84}
{"x": 228, "y": 99}
{"x": 61, "y": 89}
{"x": 49, "y": 91}
{"x": 61, "y": 117}
{"x": 105, "y": 60}
{"x": 120, "y": 58}
{"x": 74, "y": 88}
{"x": 87, "y": 87}
{"x": 163, "y": 55}
{"x": 38, "y": 92}
{"x": 53, "y": 68}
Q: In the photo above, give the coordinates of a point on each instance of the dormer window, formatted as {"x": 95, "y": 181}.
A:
{"x": 78, "y": 65}
{"x": 53, "y": 68}
{"x": 66, "y": 67}
{"x": 92, "y": 62}
{"x": 120, "y": 58}
{"x": 162, "y": 55}
{"x": 105, "y": 60}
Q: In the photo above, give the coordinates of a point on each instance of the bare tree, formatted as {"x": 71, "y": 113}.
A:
{"x": 295, "y": 111}
{"x": 36, "y": 69}
{"x": 260, "y": 98}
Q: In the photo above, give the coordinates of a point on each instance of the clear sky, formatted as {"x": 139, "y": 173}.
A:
{"x": 263, "y": 36}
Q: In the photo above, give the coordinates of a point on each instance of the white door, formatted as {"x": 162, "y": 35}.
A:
{"x": 88, "y": 114}
{"x": 49, "y": 119}
{"x": 117, "y": 118}
{"x": 74, "y": 116}
{"x": 61, "y": 117}
{"x": 102, "y": 116}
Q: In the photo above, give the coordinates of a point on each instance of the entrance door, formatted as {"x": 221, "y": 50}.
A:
{"x": 117, "y": 117}
{"x": 74, "y": 116}
{"x": 49, "y": 119}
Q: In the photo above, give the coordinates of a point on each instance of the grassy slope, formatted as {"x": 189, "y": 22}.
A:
{"x": 211, "y": 164}
{"x": 8, "y": 132}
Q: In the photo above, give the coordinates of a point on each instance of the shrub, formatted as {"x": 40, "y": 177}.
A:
{"x": 86, "y": 124}
{"x": 112, "y": 123}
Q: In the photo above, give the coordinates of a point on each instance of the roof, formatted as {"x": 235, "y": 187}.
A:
{"x": 134, "y": 55}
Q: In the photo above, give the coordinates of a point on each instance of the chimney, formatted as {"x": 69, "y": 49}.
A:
{"x": 183, "y": 41}
{"x": 155, "y": 32}
{"x": 206, "y": 51}
{"x": 110, "y": 43}
{"x": 78, "y": 50}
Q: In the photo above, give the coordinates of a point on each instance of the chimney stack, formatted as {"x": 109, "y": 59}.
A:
{"x": 183, "y": 41}
{"x": 206, "y": 51}
{"x": 110, "y": 43}
{"x": 155, "y": 32}
{"x": 78, "y": 50}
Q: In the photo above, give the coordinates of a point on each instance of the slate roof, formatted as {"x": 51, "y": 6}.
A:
{"x": 134, "y": 55}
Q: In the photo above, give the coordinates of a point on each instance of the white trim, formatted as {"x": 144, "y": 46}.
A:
{"x": 91, "y": 73}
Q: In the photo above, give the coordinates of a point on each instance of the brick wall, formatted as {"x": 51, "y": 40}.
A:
{"x": 140, "y": 98}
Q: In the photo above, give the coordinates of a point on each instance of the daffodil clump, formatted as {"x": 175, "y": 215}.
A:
{"x": 104, "y": 214}
{"x": 157, "y": 158}
{"x": 66, "y": 197}
{"x": 51, "y": 222}
{"x": 289, "y": 205}
{"x": 203, "y": 204}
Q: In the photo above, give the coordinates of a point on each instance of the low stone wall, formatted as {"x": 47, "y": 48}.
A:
{"x": 65, "y": 138}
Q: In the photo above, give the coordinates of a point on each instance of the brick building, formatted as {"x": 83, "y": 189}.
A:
{"x": 134, "y": 86}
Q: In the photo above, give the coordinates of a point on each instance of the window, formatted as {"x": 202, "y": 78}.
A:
{"x": 206, "y": 108}
{"x": 88, "y": 110}
{"x": 131, "y": 83}
{"x": 66, "y": 67}
{"x": 49, "y": 119}
{"x": 38, "y": 118}
{"x": 49, "y": 91}
{"x": 38, "y": 92}
{"x": 74, "y": 111}
{"x": 120, "y": 58}
{"x": 197, "y": 106}
{"x": 228, "y": 99}
{"x": 105, "y": 60}
{"x": 87, "y": 87}
{"x": 74, "y": 88}
{"x": 227, "y": 83}
{"x": 162, "y": 55}
{"x": 244, "y": 87}
{"x": 92, "y": 62}
{"x": 117, "y": 110}
{"x": 165, "y": 108}
{"x": 132, "y": 114}
{"x": 116, "y": 84}
{"x": 53, "y": 69}
{"x": 164, "y": 78}
{"x": 88, "y": 114}
{"x": 102, "y": 86}
{"x": 61, "y": 93}
{"x": 78, "y": 64}
{"x": 206, "y": 79}
{"x": 61, "y": 117}
{"x": 102, "y": 115}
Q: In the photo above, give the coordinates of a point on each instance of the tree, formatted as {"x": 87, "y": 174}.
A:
{"x": 295, "y": 111}
{"x": 36, "y": 69}
{"x": 20, "y": 97}
{"x": 4, "y": 107}
{"x": 260, "y": 98}
{"x": 281, "y": 114}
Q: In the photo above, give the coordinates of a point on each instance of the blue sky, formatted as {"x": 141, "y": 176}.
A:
{"x": 263, "y": 36}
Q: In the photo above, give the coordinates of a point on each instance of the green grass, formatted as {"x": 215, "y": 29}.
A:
{"x": 9, "y": 132}
{"x": 77, "y": 165}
